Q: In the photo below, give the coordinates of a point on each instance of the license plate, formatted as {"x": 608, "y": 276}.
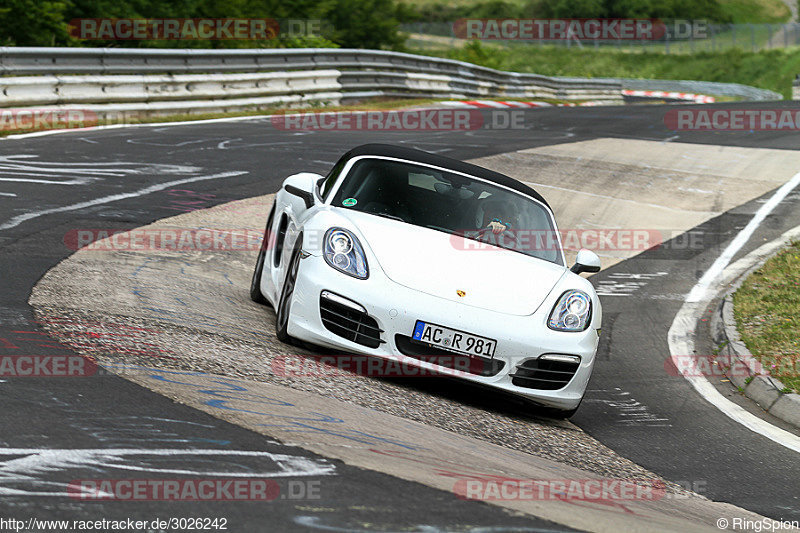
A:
{"x": 453, "y": 339}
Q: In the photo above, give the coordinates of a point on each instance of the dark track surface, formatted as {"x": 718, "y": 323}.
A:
{"x": 695, "y": 444}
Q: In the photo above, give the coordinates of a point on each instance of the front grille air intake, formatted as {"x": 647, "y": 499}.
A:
{"x": 348, "y": 319}
{"x": 544, "y": 373}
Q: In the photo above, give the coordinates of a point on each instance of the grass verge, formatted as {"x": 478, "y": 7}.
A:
{"x": 739, "y": 11}
{"x": 767, "y": 69}
{"x": 755, "y": 11}
{"x": 767, "y": 312}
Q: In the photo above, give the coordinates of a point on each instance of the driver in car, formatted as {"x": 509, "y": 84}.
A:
{"x": 501, "y": 219}
{"x": 498, "y": 225}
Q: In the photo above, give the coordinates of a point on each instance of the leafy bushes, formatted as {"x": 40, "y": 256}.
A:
{"x": 348, "y": 23}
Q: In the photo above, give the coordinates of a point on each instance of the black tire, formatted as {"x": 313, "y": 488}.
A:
{"x": 255, "y": 283}
{"x": 283, "y": 310}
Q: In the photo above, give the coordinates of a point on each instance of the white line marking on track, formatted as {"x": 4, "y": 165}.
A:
{"x": 8, "y": 194}
{"x": 681, "y": 342}
{"x": 22, "y": 168}
{"x": 19, "y": 219}
{"x": 699, "y": 290}
{"x": 78, "y": 181}
{"x": 700, "y": 191}
{"x": 625, "y": 284}
{"x": 223, "y": 145}
{"x": 681, "y": 333}
{"x": 634, "y": 412}
{"x": 37, "y": 464}
{"x": 145, "y": 125}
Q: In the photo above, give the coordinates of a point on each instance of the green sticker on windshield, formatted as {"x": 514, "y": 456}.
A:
{"x": 349, "y": 202}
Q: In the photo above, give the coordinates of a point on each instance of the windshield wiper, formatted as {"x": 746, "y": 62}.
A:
{"x": 388, "y": 215}
{"x": 440, "y": 228}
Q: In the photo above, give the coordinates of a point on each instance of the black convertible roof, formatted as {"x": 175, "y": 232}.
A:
{"x": 411, "y": 154}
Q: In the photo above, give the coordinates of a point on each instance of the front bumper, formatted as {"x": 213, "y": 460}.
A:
{"x": 396, "y": 309}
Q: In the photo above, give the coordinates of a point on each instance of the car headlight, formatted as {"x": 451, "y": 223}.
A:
{"x": 344, "y": 253}
{"x": 572, "y": 312}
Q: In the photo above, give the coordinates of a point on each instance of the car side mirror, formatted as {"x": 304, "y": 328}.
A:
{"x": 302, "y": 185}
{"x": 587, "y": 261}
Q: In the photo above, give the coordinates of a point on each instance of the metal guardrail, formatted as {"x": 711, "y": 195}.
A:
{"x": 80, "y": 89}
{"x": 18, "y": 61}
{"x": 162, "y": 81}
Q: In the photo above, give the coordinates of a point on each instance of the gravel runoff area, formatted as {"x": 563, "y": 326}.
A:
{"x": 190, "y": 310}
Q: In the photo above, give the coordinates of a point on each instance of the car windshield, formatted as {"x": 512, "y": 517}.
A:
{"x": 451, "y": 203}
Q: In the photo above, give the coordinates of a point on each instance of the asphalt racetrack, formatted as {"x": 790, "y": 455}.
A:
{"x": 600, "y": 162}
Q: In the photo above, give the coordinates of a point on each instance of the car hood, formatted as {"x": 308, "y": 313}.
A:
{"x": 440, "y": 264}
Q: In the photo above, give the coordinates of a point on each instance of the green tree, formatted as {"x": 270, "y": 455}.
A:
{"x": 363, "y": 23}
{"x": 571, "y": 8}
{"x": 630, "y": 8}
{"x": 350, "y": 23}
{"x": 33, "y": 23}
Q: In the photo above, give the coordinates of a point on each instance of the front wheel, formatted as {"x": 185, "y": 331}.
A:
{"x": 285, "y": 303}
{"x": 255, "y": 282}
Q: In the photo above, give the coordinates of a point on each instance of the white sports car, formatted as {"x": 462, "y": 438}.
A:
{"x": 405, "y": 255}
